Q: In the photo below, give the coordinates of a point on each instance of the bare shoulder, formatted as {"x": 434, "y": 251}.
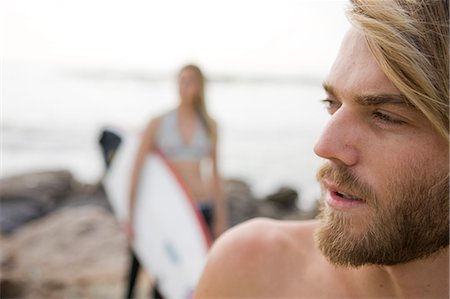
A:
{"x": 154, "y": 122}
{"x": 152, "y": 126}
{"x": 252, "y": 259}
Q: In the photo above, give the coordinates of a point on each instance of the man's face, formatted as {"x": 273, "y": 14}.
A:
{"x": 385, "y": 183}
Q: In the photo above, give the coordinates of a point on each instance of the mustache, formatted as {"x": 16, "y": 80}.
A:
{"x": 344, "y": 178}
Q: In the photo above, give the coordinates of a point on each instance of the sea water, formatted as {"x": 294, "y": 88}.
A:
{"x": 52, "y": 118}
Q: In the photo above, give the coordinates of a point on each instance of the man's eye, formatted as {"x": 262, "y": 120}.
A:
{"x": 331, "y": 105}
{"x": 385, "y": 118}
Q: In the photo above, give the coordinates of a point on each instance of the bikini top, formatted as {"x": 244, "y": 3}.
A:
{"x": 170, "y": 142}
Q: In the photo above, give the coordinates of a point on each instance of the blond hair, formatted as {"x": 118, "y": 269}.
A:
{"x": 409, "y": 40}
{"x": 200, "y": 103}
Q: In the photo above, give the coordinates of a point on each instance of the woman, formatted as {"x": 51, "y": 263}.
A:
{"x": 187, "y": 136}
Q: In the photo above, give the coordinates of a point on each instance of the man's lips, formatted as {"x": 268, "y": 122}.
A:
{"x": 339, "y": 198}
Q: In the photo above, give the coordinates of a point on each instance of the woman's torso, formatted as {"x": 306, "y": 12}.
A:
{"x": 185, "y": 155}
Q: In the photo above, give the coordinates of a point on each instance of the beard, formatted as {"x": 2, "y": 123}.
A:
{"x": 410, "y": 222}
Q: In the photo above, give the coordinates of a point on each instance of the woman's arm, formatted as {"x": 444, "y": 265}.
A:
{"x": 220, "y": 202}
{"x": 146, "y": 146}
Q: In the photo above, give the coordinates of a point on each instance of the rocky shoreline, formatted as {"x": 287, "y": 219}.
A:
{"x": 59, "y": 238}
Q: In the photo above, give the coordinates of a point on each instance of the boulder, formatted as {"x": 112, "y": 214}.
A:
{"x": 285, "y": 198}
{"x": 43, "y": 185}
{"x": 77, "y": 252}
{"x": 30, "y": 196}
{"x": 74, "y": 247}
{"x": 242, "y": 204}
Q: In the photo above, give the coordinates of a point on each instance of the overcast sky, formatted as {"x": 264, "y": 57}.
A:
{"x": 232, "y": 36}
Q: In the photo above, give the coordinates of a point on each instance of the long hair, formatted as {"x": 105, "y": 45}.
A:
{"x": 200, "y": 102}
{"x": 409, "y": 40}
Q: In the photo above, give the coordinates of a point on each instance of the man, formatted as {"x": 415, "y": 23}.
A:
{"x": 383, "y": 230}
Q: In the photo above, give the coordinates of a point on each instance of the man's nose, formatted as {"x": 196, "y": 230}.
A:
{"x": 338, "y": 141}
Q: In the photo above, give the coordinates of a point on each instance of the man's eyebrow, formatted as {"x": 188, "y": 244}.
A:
{"x": 373, "y": 99}
{"x": 328, "y": 88}
{"x": 380, "y": 99}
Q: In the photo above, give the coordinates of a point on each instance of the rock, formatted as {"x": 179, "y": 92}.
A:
{"x": 283, "y": 205}
{"x": 43, "y": 186}
{"x": 241, "y": 203}
{"x": 31, "y": 196}
{"x": 285, "y": 198}
{"x": 20, "y": 210}
{"x": 89, "y": 195}
{"x": 12, "y": 288}
{"x": 77, "y": 252}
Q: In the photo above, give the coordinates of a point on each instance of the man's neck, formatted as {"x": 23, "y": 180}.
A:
{"x": 425, "y": 278}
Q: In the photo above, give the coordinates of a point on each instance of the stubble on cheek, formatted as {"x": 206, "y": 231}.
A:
{"x": 408, "y": 220}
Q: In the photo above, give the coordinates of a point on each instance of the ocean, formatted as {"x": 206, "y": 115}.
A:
{"x": 52, "y": 117}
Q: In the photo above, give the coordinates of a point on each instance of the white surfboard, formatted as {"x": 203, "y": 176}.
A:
{"x": 171, "y": 239}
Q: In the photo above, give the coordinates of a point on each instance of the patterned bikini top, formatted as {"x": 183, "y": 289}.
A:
{"x": 170, "y": 141}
